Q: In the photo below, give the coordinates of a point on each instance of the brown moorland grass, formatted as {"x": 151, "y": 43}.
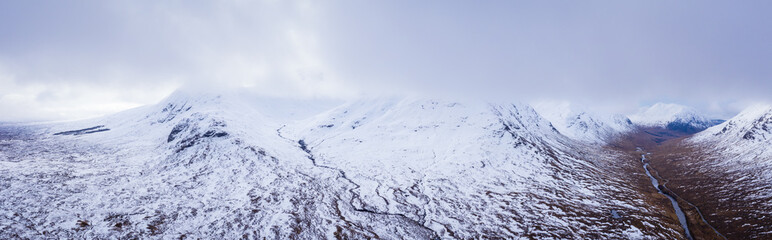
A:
{"x": 664, "y": 144}
{"x": 721, "y": 194}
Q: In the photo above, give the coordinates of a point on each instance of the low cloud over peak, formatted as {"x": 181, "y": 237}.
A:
{"x": 65, "y": 61}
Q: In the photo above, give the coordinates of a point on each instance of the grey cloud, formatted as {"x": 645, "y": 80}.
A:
{"x": 614, "y": 55}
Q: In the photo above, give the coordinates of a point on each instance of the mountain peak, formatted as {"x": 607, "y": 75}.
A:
{"x": 672, "y": 116}
{"x": 575, "y": 122}
{"x": 752, "y": 124}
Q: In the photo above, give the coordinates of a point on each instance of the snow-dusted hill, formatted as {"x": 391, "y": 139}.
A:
{"x": 234, "y": 166}
{"x": 734, "y": 171}
{"x": 743, "y": 141}
{"x": 581, "y": 124}
{"x": 674, "y": 117}
{"x": 752, "y": 126}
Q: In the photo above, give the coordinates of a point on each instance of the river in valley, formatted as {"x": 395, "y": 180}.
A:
{"x": 679, "y": 212}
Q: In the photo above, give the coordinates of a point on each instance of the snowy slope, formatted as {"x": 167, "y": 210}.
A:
{"x": 466, "y": 168}
{"x": 231, "y": 165}
{"x": 737, "y": 165}
{"x": 580, "y": 124}
{"x": 753, "y": 125}
{"x": 193, "y": 166}
{"x": 746, "y": 138}
{"x": 672, "y": 116}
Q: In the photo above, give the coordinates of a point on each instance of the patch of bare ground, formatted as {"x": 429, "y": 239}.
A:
{"x": 675, "y": 178}
{"x": 729, "y": 200}
{"x": 661, "y": 207}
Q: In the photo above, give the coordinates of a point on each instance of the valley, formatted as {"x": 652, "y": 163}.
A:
{"x": 662, "y": 190}
{"x": 198, "y": 165}
{"x": 734, "y": 200}
{"x": 652, "y": 142}
{"x": 688, "y": 174}
{"x": 393, "y": 120}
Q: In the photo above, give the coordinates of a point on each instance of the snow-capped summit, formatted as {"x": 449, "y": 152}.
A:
{"x": 674, "y": 117}
{"x": 577, "y": 123}
{"x": 440, "y": 136}
{"x": 746, "y": 136}
{"x": 233, "y": 165}
{"x": 752, "y": 124}
{"x": 737, "y": 153}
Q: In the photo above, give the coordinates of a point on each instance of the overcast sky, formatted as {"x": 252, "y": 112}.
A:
{"x": 75, "y": 59}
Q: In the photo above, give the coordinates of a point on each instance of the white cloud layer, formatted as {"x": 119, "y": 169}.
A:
{"x": 72, "y": 60}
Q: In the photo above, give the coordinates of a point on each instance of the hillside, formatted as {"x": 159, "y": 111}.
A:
{"x": 225, "y": 166}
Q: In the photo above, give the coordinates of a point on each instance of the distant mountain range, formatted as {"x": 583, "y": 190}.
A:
{"x": 232, "y": 165}
{"x": 673, "y": 117}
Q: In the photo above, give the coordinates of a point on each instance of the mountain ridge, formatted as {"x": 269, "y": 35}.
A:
{"x": 217, "y": 166}
{"x": 673, "y": 117}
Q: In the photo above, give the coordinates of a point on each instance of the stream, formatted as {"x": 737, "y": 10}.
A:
{"x": 679, "y": 212}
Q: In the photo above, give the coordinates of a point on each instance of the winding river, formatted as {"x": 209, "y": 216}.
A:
{"x": 679, "y": 212}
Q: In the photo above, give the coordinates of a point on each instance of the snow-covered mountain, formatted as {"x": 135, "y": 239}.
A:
{"x": 674, "y": 117}
{"x": 578, "y": 123}
{"x": 742, "y": 140}
{"x": 234, "y": 166}
{"x": 730, "y": 170}
{"x": 192, "y": 166}
{"x": 752, "y": 126}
